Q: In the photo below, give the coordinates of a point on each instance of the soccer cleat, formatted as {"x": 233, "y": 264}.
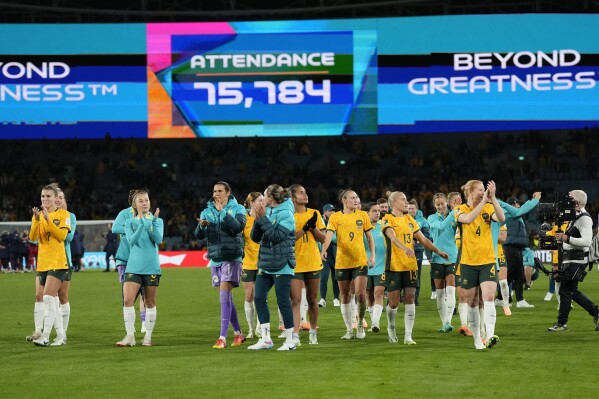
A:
{"x": 260, "y": 345}
{"x": 305, "y": 326}
{"x": 445, "y": 328}
{"x": 146, "y": 342}
{"x": 143, "y": 329}
{"x": 409, "y": 341}
{"x": 361, "y": 334}
{"x": 296, "y": 340}
{"x": 282, "y": 335}
{"x": 558, "y": 327}
{"x": 35, "y": 335}
{"x": 250, "y": 334}
{"x": 129, "y": 340}
{"x": 392, "y": 335}
{"x": 258, "y": 333}
{"x": 507, "y": 311}
{"x": 59, "y": 341}
{"x": 313, "y": 340}
{"x": 548, "y": 296}
{"x": 465, "y": 331}
{"x": 375, "y": 328}
{"x": 491, "y": 342}
{"x": 434, "y": 295}
{"x": 41, "y": 342}
{"x": 336, "y": 303}
{"x": 238, "y": 340}
{"x": 348, "y": 335}
{"x": 479, "y": 346}
{"x": 322, "y": 303}
{"x": 524, "y": 304}
{"x": 287, "y": 346}
{"x": 220, "y": 344}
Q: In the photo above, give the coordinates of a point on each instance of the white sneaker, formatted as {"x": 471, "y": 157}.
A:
{"x": 360, "y": 334}
{"x": 261, "y": 344}
{"x": 322, "y": 303}
{"x": 129, "y": 340}
{"x": 434, "y": 295}
{"x": 348, "y": 335}
{"x": 143, "y": 328}
{"x": 250, "y": 334}
{"x": 479, "y": 346}
{"x": 35, "y": 335}
{"x": 296, "y": 340}
{"x": 313, "y": 338}
{"x": 59, "y": 342}
{"x": 287, "y": 346}
{"x": 524, "y": 304}
{"x": 392, "y": 335}
{"x": 146, "y": 342}
{"x": 548, "y": 296}
{"x": 282, "y": 335}
{"x": 409, "y": 341}
{"x": 41, "y": 341}
{"x": 336, "y": 303}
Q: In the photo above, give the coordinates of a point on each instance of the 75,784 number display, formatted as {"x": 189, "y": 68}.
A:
{"x": 284, "y": 92}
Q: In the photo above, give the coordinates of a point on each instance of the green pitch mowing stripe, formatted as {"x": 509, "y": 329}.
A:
{"x": 528, "y": 362}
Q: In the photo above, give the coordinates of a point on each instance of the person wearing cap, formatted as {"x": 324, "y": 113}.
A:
{"x": 516, "y": 241}
{"x": 329, "y": 264}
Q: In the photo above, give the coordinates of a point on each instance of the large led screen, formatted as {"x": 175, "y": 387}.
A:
{"x": 298, "y": 78}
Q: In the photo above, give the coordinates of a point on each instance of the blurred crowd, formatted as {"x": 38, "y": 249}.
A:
{"x": 96, "y": 175}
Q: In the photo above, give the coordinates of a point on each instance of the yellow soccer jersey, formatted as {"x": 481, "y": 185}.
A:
{"x": 350, "y": 229}
{"x": 500, "y": 253}
{"x": 51, "y": 254}
{"x": 404, "y": 227}
{"x": 251, "y": 248}
{"x": 555, "y": 253}
{"x": 477, "y": 247}
{"x": 307, "y": 254}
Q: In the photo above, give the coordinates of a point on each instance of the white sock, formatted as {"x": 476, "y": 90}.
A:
{"x": 129, "y": 317}
{"x": 408, "y": 319}
{"x": 150, "y": 321}
{"x": 377, "y": 311}
{"x": 441, "y": 308}
{"x": 557, "y": 285}
{"x": 346, "y": 313}
{"x": 58, "y": 319}
{"x": 474, "y": 324}
{"x": 391, "y": 314}
{"x": 249, "y": 314}
{"x": 49, "y": 312}
{"x": 463, "y": 313}
{"x": 481, "y": 321}
{"x": 304, "y": 306}
{"x": 354, "y": 308}
{"x": 265, "y": 329}
{"x": 65, "y": 311}
{"x": 289, "y": 336}
{"x": 449, "y": 303}
{"x": 38, "y": 315}
{"x": 490, "y": 318}
{"x": 505, "y": 292}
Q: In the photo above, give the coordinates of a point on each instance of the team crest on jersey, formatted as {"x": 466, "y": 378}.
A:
{"x": 244, "y": 275}
{"x": 230, "y": 211}
{"x": 411, "y": 226}
{"x": 486, "y": 217}
{"x": 215, "y": 279}
{"x": 339, "y": 273}
{"x": 392, "y": 283}
{"x": 56, "y": 222}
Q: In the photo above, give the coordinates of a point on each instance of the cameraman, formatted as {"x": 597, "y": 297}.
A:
{"x": 575, "y": 241}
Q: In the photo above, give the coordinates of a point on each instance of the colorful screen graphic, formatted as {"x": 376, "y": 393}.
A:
{"x": 298, "y": 78}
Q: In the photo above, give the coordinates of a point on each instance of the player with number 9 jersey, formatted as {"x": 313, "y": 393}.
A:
{"x": 350, "y": 229}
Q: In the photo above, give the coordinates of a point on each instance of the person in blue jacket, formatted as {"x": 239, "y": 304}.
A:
{"x": 144, "y": 232}
{"x": 274, "y": 229}
{"x": 418, "y": 247}
{"x": 443, "y": 226}
{"x": 222, "y": 223}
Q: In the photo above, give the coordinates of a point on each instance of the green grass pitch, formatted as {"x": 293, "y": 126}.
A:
{"x": 528, "y": 362}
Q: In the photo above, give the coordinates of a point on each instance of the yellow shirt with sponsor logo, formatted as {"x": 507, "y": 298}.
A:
{"x": 51, "y": 254}
{"x": 477, "y": 247}
{"x": 500, "y": 253}
{"x": 350, "y": 229}
{"x": 307, "y": 254}
{"x": 251, "y": 248}
{"x": 555, "y": 253}
{"x": 404, "y": 227}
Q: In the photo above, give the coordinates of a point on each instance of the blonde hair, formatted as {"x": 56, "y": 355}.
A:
{"x": 251, "y": 198}
{"x": 392, "y": 197}
{"x": 469, "y": 186}
{"x": 452, "y": 195}
{"x": 579, "y": 196}
{"x": 52, "y": 187}
{"x": 134, "y": 195}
